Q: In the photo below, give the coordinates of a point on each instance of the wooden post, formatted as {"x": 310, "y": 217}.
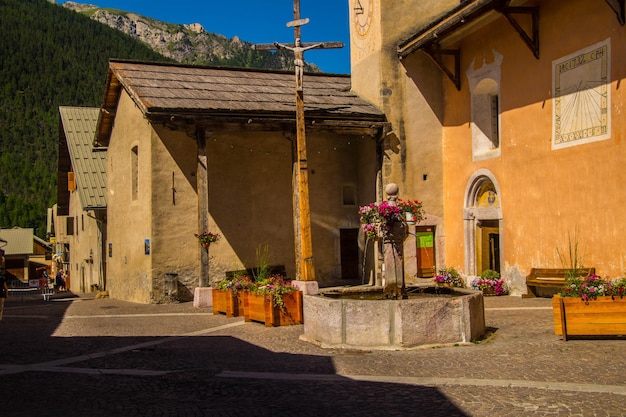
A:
{"x": 305, "y": 268}
{"x": 202, "y": 182}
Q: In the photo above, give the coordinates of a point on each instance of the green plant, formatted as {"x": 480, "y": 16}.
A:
{"x": 573, "y": 262}
{"x": 207, "y": 237}
{"x": 490, "y": 280}
{"x": 593, "y": 286}
{"x": 490, "y": 274}
{"x": 263, "y": 270}
{"x": 618, "y": 287}
{"x": 587, "y": 288}
{"x": 275, "y": 286}
{"x": 449, "y": 276}
{"x": 240, "y": 282}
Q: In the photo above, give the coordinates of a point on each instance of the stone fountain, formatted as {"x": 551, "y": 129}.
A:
{"x": 393, "y": 316}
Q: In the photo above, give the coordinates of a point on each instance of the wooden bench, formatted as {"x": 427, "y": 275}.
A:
{"x": 550, "y": 278}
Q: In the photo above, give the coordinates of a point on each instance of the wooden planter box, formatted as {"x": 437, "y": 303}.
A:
{"x": 603, "y": 316}
{"x": 261, "y": 308}
{"x": 227, "y": 302}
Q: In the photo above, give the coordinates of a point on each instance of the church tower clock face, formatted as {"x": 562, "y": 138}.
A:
{"x": 362, "y": 11}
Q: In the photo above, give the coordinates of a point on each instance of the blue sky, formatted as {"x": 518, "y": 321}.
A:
{"x": 256, "y": 21}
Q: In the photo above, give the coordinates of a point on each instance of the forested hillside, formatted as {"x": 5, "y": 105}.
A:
{"x": 51, "y": 56}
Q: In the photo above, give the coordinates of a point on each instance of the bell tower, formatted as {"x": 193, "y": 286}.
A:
{"x": 365, "y": 41}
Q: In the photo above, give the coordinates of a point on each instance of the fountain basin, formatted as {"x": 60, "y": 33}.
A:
{"x": 351, "y": 322}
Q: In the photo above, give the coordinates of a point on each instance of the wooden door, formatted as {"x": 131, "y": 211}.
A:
{"x": 349, "y": 247}
{"x": 425, "y": 253}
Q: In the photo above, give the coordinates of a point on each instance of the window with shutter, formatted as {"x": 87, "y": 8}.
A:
{"x": 69, "y": 226}
{"x": 71, "y": 182}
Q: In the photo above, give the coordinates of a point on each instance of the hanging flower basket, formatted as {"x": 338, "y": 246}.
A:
{"x": 376, "y": 218}
{"x": 412, "y": 210}
{"x": 206, "y": 238}
{"x": 373, "y": 231}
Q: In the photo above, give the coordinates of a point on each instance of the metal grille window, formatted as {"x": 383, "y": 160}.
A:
{"x": 495, "y": 131}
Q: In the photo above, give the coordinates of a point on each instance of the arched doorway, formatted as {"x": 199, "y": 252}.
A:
{"x": 483, "y": 224}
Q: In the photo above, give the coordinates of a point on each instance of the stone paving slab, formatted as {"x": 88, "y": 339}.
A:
{"x": 102, "y": 357}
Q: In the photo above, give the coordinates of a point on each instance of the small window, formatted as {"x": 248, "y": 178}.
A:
{"x": 495, "y": 129}
{"x": 485, "y": 119}
{"x": 69, "y": 226}
{"x": 349, "y": 195}
{"x": 484, "y": 85}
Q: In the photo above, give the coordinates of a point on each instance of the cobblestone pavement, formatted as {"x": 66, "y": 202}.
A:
{"x": 99, "y": 357}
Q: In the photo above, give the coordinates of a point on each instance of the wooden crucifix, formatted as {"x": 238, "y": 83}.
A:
{"x": 305, "y": 270}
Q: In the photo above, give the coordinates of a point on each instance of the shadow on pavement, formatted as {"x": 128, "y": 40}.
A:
{"x": 180, "y": 375}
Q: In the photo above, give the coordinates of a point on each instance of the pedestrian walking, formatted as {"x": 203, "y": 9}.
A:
{"x": 60, "y": 282}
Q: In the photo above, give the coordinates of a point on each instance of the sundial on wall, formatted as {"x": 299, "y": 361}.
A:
{"x": 363, "y": 13}
{"x": 582, "y": 96}
{"x": 362, "y": 10}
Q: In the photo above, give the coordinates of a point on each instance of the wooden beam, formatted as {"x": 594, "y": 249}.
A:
{"x": 460, "y": 17}
{"x": 305, "y": 269}
{"x": 532, "y": 39}
{"x": 305, "y": 45}
{"x": 233, "y": 124}
{"x": 453, "y": 74}
{"x": 202, "y": 185}
{"x": 618, "y": 8}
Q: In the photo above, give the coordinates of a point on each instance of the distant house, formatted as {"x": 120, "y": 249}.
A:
{"x": 25, "y": 254}
{"x": 191, "y": 149}
{"x": 79, "y": 217}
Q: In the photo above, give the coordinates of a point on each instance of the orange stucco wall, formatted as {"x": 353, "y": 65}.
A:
{"x": 546, "y": 195}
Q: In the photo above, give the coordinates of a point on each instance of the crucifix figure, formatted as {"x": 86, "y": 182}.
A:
{"x": 298, "y": 62}
{"x": 305, "y": 270}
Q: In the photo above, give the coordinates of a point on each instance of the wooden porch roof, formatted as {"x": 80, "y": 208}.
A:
{"x": 234, "y": 98}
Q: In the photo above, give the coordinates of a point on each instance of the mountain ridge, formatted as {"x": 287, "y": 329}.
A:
{"x": 188, "y": 43}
